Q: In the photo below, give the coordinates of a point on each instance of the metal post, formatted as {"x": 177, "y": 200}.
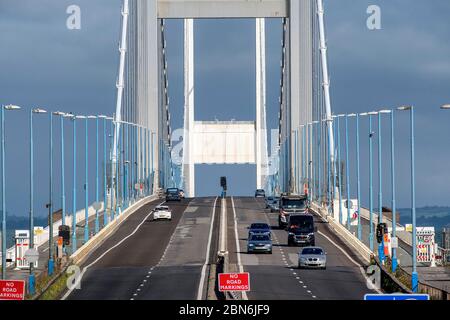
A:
{"x": 112, "y": 186}
{"x": 371, "y": 244}
{"x": 329, "y": 193}
{"x": 31, "y": 276}
{"x": 2, "y": 113}
{"x": 415, "y": 276}
{"x": 63, "y": 188}
{"x": 126, "y": 163}
{"x": 380, "y": 189}
{"x": 74, "y": 208}
{"x": 50, "y": 204}
{"x": 334, "y": 174}
{"x": 358, "y": 173}
{"x": 394, "y": 214}
{"x": 339, "y": 169}
{"x": 347, "y": 165}
{"x": 319, "y": 161}
{"x": 295, "y": 159}
{"x": 86, "y": 186}
{"x": 97, "y": 182}
{"x": 303, "y": 158}
{"x": 105, "y": 180}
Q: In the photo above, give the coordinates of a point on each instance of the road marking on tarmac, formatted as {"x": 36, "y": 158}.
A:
{"x": 361, "y": 269}
{"x": 69, "y": 292}
{"x": 287, "y": 264}
{"x": 208, "y": 249}
{"x": 238, "y": 248}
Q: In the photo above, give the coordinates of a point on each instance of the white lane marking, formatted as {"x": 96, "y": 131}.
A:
{"x": 361, "y": 269}
{"x": 238, "y": 247}
{"x": 69, "y": 292}
{"x": 208, "y": 249}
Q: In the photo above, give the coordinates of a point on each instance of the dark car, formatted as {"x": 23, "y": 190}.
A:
{"x": 260, "y": 193}
{"x": 259, "y": 228}
{"x": 301, "y": 230}
{"x": 173, "y": 194}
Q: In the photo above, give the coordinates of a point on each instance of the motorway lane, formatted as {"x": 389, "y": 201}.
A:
{"x": 119, "y": 273}
{"x": 178, "y": 276}
{"x": 276, "y": 276}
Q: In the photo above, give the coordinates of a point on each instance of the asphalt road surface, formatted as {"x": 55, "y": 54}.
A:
{"x": 167, "y": 260}
{"x": 276, "y": 276}
{"x": 159, "y": 260}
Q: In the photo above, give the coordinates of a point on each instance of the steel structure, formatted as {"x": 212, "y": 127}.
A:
{"x": 143, "y": 87}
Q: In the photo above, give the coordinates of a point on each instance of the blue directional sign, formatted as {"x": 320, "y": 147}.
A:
{"x": 396, "y": 297}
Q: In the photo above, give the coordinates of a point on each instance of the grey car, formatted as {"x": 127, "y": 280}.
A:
{"x": 259, "y": 243}
{"x": 312, "y": 257}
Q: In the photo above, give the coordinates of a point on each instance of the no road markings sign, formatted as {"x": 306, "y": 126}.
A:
{"x": 234, "y": 282}
{"x": 12, "y": 290}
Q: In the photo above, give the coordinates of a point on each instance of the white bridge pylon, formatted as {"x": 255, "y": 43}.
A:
{"x": 233, "y": 142}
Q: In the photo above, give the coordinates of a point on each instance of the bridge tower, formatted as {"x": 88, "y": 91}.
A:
{"x": 146, "y": 99}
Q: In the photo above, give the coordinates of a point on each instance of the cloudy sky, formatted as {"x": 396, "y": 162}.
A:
{"x": 406, "y": 62}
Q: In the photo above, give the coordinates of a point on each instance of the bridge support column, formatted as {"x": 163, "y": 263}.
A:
{"x": 300, "y": 81}
{"x": 189, "y": 104}
{"x": 261, "y": 125}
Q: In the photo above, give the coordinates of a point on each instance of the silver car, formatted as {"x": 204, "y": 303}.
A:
{"x": 312, "y": 257}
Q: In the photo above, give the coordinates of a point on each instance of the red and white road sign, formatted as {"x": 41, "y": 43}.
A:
{"x": 12, "y": 290}
{"x": 234, "y": 282}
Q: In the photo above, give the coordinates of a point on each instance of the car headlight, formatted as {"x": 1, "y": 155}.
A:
{"x": 303, "y": 259}
{"x": 251, "y": 245}
{"x": 311, "y": 235}
{"x": 291, "y": 234}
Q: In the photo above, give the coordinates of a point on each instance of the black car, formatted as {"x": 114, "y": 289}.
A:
{"x": 260, "y": 193}
{"x": 301, "y": 230}
{"x": 173, "y": 194}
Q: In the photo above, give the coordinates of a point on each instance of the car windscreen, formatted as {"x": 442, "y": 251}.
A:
{"x": 259, "y": 226}
{"x": 258, "y": 237}
{"x": 173, "y": 191}
{"x": 312, "y": 251}
{"x": 294, "y": 204}
{"x": 301, "y": 223}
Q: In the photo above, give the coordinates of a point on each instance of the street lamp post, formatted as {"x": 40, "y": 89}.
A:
{"x": 380, "y": 184}
{"x": 62, "y": 115}
{"x": 414, "y": 276}
{"x": 31, "y": 282}
{"x": 74, "y": 189}
{"x": 339, "y": 169}
{"x": 50, "y": 203}
{"x": 86, "y": 179}
{"x": 3, "y": 173}
{"x": 347, "y": 172}
{"x": 97, "y": 183}
{"x": 371, "y": 134}
{"x": 394, "y": 207}
{"x": 358, "y": 174}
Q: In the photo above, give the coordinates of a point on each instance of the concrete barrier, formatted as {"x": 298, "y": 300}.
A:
{"x": 360, "y": 248}
{"x": 83, "y": 253}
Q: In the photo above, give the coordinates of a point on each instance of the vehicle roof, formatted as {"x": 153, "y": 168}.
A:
{"x": 259, "y": 224}
{"x": 312, "y": 248}
{"x": 295, "y": 197}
